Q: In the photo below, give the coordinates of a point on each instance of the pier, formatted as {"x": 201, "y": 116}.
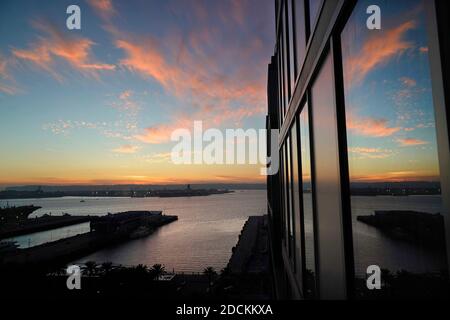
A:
{"x": 105, "y": 231}
{"x": 247, "y": 274}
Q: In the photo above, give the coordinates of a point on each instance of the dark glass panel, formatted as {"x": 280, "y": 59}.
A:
{"x": 288, "y": 188}
{"x": 308, "y": 215}
{"x": 285, "y": 38}
{"x": 314, "y": 6}
{"x": 393, "y": 162}
{"x": 327, "y": 185}
{"x": 296, "y": 212}
{"x": 300, "y": 33}
{"x": 291, "y": 45}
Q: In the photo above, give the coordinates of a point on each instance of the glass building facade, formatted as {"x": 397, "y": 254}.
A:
{"x": 364, "y": 178}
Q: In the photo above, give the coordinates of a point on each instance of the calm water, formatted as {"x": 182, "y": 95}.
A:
{"x": 208, "y": 228}
{"x": 373, "y": 247}
{"x": 37, "y": 238}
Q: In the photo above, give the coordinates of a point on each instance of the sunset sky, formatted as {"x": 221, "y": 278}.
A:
{"x": 389, "y": 105}
{"x": 98, "y": 105}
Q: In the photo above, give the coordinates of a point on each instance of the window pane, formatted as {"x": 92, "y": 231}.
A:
{"x": 286, "y": 59}
{"x": 283, "y": 76}
{"x": 310, "y": 260}
{"x": 291, "y": 45}
{"x": 314, "y": 6}
{"x": 289, "y": 193}
{"x": 286, "y": 196}
{"x": 327, "y": 182}
{"x": 296, "y": 214}
{"x": 300, "y": 34}
{"x": 282, "y": 179}
{"x": 393, "y": 161}
{"x": 280, "y": 90}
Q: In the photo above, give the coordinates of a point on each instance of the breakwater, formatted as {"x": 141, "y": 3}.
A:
{"x": 105, "y": 231}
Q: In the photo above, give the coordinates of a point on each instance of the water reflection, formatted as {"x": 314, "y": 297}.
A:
{"x": 392, "y": 149}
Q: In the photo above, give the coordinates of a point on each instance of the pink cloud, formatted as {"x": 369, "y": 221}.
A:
{"x": 370, "y": 153}
{"x": 371, "y": 127}
{"x": 196, "y": 80}
{"x": 213, "y": 66}
{"x": 156, "y": 135}
{"x": 378, "y": 50}
{"x": 76, "y": 51}
{"x": 104, "y": 8}
{"x": 7, "y": 83}
{"x": 407, "y": 142}
{"x": 408, "y": 82}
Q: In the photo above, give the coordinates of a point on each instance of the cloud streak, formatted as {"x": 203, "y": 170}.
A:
{"x": 104, "y": 8}
{"x": 377, "y": 51}
{"x": 219, "y": 74}
{"x": 370, "y": 153}
{"x": 7, "y": 84}
{"x": 371, "y": 127}
{"x": 408, "y": 142}
{"x": 53, "y": 45}
{"x": 126, "y": 149}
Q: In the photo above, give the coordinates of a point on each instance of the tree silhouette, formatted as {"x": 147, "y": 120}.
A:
{"x": 157, "y": 270}
{"x": 211, "y": 273}
{"x": 107, "y": 267}
{"x": 90, "y": 267}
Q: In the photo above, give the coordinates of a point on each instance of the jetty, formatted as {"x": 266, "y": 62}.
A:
{"x": 247, "y": 274}
{"x": 104, "y": 231}
{"x": 15, "y": 221}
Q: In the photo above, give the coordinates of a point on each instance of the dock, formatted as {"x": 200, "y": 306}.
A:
{"x": 40, "y": 224}
{"x": 248, "y": 273}
{"x": 251, "y": 252}
{"x": 105, "y": 231}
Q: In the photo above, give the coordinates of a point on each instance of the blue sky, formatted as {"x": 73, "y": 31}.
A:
{"x": 390, "y": 113}
{"x": 98, "y": 104}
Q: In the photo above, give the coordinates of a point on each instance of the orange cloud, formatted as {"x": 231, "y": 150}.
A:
{"x": 161, "y": 133}
{"x": 371, "y": 127}
{"x": 7, "y": 84}
{"x": 396, "y": 176}
{"x": 3, "y": 63}
{"x": 74, "y": 50}
{"x": 8, "y": 89}
{"x": 408, "y": 82}
{"x": 104, "y": 8}
{"x": 411, "y": 142}
{"x": 219, "y": 75}
{"x": 378, "y": 50}
{"x": 127, "y": 149}
{"x": 146, "y": 59}
{"x": 197, "y": 80}
{"x": 370, "y": 153}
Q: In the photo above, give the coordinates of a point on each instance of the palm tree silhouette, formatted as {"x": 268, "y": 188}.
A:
{"x": 90, "y": 267}
{"x": 211, "y": 273}
{"x": 107, "y": 267}
{"x": 141, "y": 268}
{"x": 157, "y": 270}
